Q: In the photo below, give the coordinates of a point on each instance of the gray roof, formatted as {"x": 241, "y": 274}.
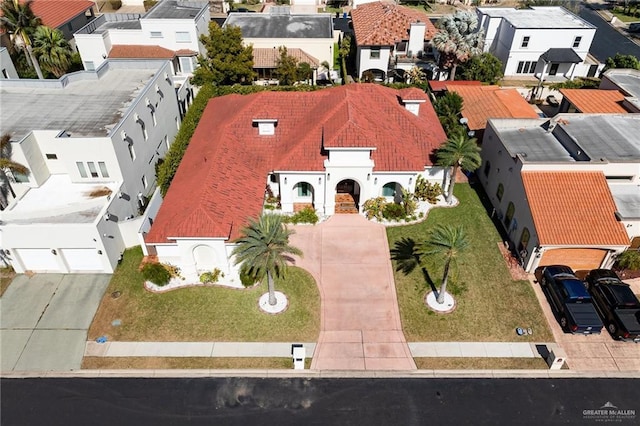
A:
{"x": 85, "y": 107}
{"x": 530, "y": 139}
{"x": 627, "y": 199}
{"x": 538, "y": 17}
{"x": 175, "y": 9}
{"x": 627, "y": 80}
{"x": 259, "y": 25}
{"x": 564, "y": 54}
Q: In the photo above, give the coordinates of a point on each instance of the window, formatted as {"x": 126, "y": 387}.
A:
{"x": 304, "y": 189}
{"x": 525, "y": 41}
{"x": 389, "y": 190}
{"x": 51, "y": 156}
{"x": 92, "y": 169}
{"x": 500, "y": 191}
{"x": 526, "y": 67}
{"x": 487, "y": 168}
{"x": 374, "y": 53}
{"x": 511, "y": 209}
{"x": 4, "y": 73}
{"x": 89, "y": 66}
{"x": 20, "y": 178}
{"x": 156, "y": 34}
{"x": 186, "y": 64}
{"x": 524, "y": 240}
{"x": 153, "y": 117}
{"x": 619, "y": 178}
{"x": 81, "y": 169}
{"x": 576, "y": 41}
{"x": 103, "y": 169}
{"x": 183, "y": 37}
{"x": 132, "y": 152}
{"x": 144, "y": 181}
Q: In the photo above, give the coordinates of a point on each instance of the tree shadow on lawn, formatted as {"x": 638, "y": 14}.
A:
{"x": 407, "y": 257}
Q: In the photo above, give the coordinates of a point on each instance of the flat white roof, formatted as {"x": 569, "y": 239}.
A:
{"x": 537, "y": 17}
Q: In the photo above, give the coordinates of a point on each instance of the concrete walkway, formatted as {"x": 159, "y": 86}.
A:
{"x": 360, "y": 321}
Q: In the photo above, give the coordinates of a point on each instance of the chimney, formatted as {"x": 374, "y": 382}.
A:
{"x": 266, "y": 126}
{"x": 416, "y": 37}
{"x": 413, "y": 105}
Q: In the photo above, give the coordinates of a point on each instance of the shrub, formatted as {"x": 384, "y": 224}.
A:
{"x": 115, "y": 4}
{"x": 148, "y": 4}
{"x": 629, "y": 259}
{"x": 211, "y": 277}
{"x": 245, "y": 278}
{"x": 393, "y": 211}
{"x": 426, "y": 191}
{"x": 156, "y": 273}
{"x": 306, "y": 215}
{"x": 269, "y": 207}
{"x": 408, "y": 203}
{"x": 373, "y": 207}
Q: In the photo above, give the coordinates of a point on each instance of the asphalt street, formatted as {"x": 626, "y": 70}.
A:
{"x": 607, "y": 41}
{"x": 297, "y": 401}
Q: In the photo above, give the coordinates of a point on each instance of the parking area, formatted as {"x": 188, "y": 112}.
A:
{"x": 592, "y": 352}
{"x": 44, "y": 320}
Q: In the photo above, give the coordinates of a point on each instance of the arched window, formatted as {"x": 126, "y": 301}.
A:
{"x": 389, "y": 189}
{"x": 500, "y": 191}
{"x": 511, "y": 209}
{"x": 304, "y": 189}
{"x": 524, "y": 240}
{"x": 487, "y": 168}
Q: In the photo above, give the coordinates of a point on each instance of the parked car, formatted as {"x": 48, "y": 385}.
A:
{"x": 569, "y": 299}
{"x": 618, "y": 307}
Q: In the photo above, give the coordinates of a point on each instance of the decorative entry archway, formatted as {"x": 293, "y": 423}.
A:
{"x": 347, "y": 196}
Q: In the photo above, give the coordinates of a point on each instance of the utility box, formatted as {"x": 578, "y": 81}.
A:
{"x": 298, "y": 353}
{"x": 556, "y": 359}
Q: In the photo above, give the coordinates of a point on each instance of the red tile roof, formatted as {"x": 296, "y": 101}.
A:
{"x": 264, "y": 57}
{"x": 55, "y": 13}
{"x": 484, "y": 102}
{"x": 384, "y": 24}
{"x": 138, "y": 51}
{"x": 573, "y": 209}
{"x": 439, "y": 86}
{"x": 221, "y": 180}
{"x": 595, "y": 100}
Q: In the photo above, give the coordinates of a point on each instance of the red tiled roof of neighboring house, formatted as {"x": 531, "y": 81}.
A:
{"x": 186, "y": 52}
{"x": 412, "y": 94}
{"x": 573, "y": 208}
{"x": 55, "y": 13}
{"x": 221, "y": 180}
{"x": 484, "y": 102}
{"x": 595, "y": 100}
{"x": 139, "y": 51}
{"x": 439, "y": 86}
{"x": 264, "y": 57}
{"x": 384, "y": 24}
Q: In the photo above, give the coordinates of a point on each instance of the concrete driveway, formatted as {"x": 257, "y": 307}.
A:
{"x": 44, "y": 320}
{"x": 360, "y": 321}
{"x": 596, "y": 352}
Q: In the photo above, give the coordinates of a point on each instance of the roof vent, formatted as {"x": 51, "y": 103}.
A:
{"x": 266, "y": 127}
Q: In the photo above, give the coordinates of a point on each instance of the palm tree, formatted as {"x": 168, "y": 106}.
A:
{"x": 445, "y": 242}
{"x": 8, "y": 165}
{"x": 263, "y": 250}
{"x": 52, "y": 50}
{"x": 457, "y": 39}
{"x": 458, "y": 152}
{"x": 325, "y": 65}
{"x": 18, "y": 19}
{"x": 344, "y": 51}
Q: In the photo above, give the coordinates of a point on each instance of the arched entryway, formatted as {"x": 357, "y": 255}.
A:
{"x": 373, "y": 75}
{"x": 347, "y": 196}
{"x": 303, "y": 196}
{"x": 205, "y": 258}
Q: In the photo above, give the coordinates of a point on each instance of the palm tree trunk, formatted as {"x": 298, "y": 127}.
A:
{"x": 452, "y": 73}
{"x": 452, "y": 182}
{"x": 34, "y": 61}
{"x": 445, "y": 278}
{"x": 272, "y": 291}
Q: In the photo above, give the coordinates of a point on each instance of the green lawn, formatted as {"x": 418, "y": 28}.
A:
{"x": 481, "y": 364}
{"x": 168, "y": 363}
{"x": 212, "y": 313}
{"x": 624, "y": 18}
{"x": 490, "y": 305}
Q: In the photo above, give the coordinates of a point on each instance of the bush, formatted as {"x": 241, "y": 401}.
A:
{"x": 246, "y": 279}
{"x": 426, "y": 191}
{"x": 156, "y": 273}
{"x": 115, "y": 4}
{"x": 629, "y": 259}
{"x": 393, "y": 211}
{"x": 148, "y": 4}
{"x": 211, "y": 277}
{"x": 306, "y": 215}
{"x": 373, "y": 207}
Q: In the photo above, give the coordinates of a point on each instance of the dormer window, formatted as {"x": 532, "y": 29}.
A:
{"x": 266, "y": 127}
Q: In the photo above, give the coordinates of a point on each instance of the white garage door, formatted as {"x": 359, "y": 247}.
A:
{"x": 38, "y": 260}
{"x": 82, "y": 259}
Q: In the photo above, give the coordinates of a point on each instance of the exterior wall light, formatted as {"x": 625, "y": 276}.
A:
{"x": 54, "y": 252}
{"x": 99, "y": 251}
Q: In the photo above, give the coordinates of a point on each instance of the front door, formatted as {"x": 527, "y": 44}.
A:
{"x": 554, "y": 69}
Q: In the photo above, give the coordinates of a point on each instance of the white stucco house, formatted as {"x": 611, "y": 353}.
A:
{"x": 566, "y": 190}
{"x": 549, "y": 43}
{"x": 91, "y": 141}
{"x": 7, "y": 69}
{"x": 391, "y": 39}
{"x": 331, "y": 150}
{"x": 172, "y": 26}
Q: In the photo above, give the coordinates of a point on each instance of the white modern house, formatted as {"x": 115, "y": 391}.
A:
{"x": 173, "y": 25}
{"x": 330, "y": 150}
{"x": 91, "y": 141}
{"x": 7, "y": 69}
{"x": 566, "y": 190}
{"x": 549, "y": 43}
{"x": 391, "y": 40}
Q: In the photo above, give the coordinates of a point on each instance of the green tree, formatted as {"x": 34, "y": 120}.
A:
{"x": 228, "y": 61}
{"x": 484, "y": 67}
{"x": 416, "y": 75}
{"x": 263, "y": 250}
{"x": 622, "y": 61}
{"x": 7, "y": 168}
{"x": 445, "y": 243}
{"x": 52, "y": 50}
{"x": 344, "y": 52}
{"x": 326, "y": 66}
{"x": 286, "y": 68}
{"x": 19, "y": 21}
{"x": 457, "y": 40}
{"x": 458, "y": 152}
{"x": 448, "y": 108}
{"x": 305, "y": 72}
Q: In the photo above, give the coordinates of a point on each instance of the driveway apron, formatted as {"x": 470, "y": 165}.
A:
{"x": 44, "y": 320}
{"x": 360, "y": 321}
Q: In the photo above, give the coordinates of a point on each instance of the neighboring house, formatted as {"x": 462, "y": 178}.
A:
{"x": 619, "y": 93}
{"x": 265, "y": 63}
{"x": 548, "y": 43}
{"x": 171, "y": 24}
{"x": 312, "y": 33}
{"x": 7, "y": 70}
{"x": 391, "y": 39}
{"x": 91, "y": 141}
{"x": 627, "y": 81}
{"x": 566, "y": 190}
{"x": 330, "y": 150}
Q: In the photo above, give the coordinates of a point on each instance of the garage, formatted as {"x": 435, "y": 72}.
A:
{"x": 38, "y": 260}
{"x": 577, "y": 259}
{"x": 86, "y": 259}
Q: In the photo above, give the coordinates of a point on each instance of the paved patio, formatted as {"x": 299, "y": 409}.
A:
{"x": 360, "y": 321}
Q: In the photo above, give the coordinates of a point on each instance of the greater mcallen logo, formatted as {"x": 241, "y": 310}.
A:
{"x": 609, "y": 413}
